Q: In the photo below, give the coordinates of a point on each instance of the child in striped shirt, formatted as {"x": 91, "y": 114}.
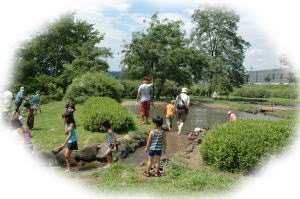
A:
{"x": 156, "y": 144}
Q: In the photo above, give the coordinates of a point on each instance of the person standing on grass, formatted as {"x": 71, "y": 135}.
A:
{"x": 19, "y": 99}
{"x": 7, "y": 101}
{"x": 156, "y": 144}
{"x": 232, "y": 116}
{"x": 71, "y": 140}
{"x": 169, "y": 114}
{"x": 182, "y": 108}
{"x": 30, "y": 117}
{"x": 112, "y": 141}
{"x": 144, "y": 94}
{"x": 24, "y": 132}
{"x": 70, "y": 107}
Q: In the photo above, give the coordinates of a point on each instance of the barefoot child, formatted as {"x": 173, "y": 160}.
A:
{"x": 71, "y": 140}
{"x": 112, "y": 140}
{"x": 156, "y": 143}
{"x": 197, "y": 131}
{"x": 169, "y": 114}
{"x": 30, "y": 117}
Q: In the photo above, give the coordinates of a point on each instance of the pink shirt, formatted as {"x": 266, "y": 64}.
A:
{"x": 233, "y": 117}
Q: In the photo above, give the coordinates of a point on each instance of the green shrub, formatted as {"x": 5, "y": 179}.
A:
{"x": 245, "y": 144}
{"x": 199, "y": 89}
{"x": 97, "y": 108}
{"x": 251, "y": 91}
{"x": 171, "y": 89}
{"x": 94, "y": 84}
{"x": 130, "y": 88}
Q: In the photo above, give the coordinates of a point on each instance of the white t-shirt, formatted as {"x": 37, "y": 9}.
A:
{"x": 7, "y": 98}
{"x": 185, "y": 98}
{"x": 145, "y": 92}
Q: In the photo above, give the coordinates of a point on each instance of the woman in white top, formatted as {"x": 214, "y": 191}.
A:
{"x": 182, "y": 108}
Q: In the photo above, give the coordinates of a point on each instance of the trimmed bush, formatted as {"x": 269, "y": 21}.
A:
{"x": 200, "y": 89}
{"x": 130, "y": 88}
{"x": 94, "y": 84}
{"x": 97, "y": 108}
{"x": 245, "y": 144}
{"x": 253, "y": 92}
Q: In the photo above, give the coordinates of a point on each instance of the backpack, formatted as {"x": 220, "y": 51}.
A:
{"x": 180, "y": 103}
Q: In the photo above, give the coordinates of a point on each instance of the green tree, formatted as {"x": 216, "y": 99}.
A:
{"x": 291, "y": 78}
{"x": 215, "y": 34}
{"x": 160, "y": 52}
{"x": 59, "y": 43}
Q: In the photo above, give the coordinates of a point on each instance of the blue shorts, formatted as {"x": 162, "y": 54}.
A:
{"x": 154, "y": 152}
{"x": 169, "y": 121}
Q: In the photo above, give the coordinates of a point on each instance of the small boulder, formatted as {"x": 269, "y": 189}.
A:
{"x": 88, "y": 153}
{"x": 60, "y": 157}
{"x": 47, "y": 158}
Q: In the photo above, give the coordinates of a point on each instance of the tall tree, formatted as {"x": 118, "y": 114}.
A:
{"x": 160, "y": 52}
{"x": 58, "y": 43}
{"x": 215, "y": 33}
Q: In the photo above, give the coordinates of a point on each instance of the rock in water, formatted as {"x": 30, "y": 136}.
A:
{"x": 88, "y": 153}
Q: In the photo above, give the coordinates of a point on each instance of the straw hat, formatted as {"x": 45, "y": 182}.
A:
{"x": 22, "y": 88}
{"x": 197, "y": 129}
{"x": 229, "y": 112}
{"x": 184, "y": 90}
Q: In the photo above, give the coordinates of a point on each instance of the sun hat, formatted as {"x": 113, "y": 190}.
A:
{"x": 197, "y": 129}
{"x": 22, "y": 88}
{"x": 229, "y": 112}
{"x": 184, "y": 90}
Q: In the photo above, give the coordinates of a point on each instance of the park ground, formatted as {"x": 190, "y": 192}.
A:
{"x": 184, "y": 174}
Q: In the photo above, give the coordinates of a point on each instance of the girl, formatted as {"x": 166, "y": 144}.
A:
{"x": 71, "y": 140}
{"x": 111, "y": 139}
{"x": 30, "y": 117}
{"x": 156, "y": 143}
{"x": 24, "y": 132}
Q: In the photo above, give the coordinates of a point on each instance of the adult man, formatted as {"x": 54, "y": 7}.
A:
{"x": 7, "y": 101}
{"x": 19, "y": 99}
{"x": 182, "y": 108}
{"x": 144, "y": 94}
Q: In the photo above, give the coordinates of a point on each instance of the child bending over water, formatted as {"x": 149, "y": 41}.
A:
{"x": 112, "y": 141}
{"x": 71, "y": 140}
{"x": 156, "y": 143}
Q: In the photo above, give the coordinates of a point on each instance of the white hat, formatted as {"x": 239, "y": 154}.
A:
{"x": 229, "y": 112}
{"x": 22, "y": 88}
{"x": 197, "y": 129}
{"x": 184, "y": 90}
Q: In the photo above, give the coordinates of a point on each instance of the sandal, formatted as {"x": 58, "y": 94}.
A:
{"x": 147, "y": 173}
{"x": 158, "y": 174}
{"x": 141, "y": 122}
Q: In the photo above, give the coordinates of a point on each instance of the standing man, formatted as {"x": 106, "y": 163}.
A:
{"x": 182, "y": 108}
{"x": 144, "y": 94}
{"x": 7, "y": 101}
{"x": 19, "y": 99}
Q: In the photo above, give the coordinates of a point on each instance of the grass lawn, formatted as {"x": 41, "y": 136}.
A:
{"x": 48, "y": 129}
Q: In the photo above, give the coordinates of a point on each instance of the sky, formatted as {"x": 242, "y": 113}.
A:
{"x": 119, "y": 18}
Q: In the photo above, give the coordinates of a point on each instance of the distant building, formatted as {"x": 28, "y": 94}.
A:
{"x": 276, "y": 76}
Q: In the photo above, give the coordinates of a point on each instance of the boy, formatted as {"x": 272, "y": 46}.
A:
{"x": 70, "y": 107}
{"x": 156, "y": 143}
{"x": 30, "y": 118}
{"x": 169, "y": 114}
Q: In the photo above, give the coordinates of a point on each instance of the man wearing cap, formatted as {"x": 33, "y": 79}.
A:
{"x": 182, "y": 108}
{"x": 19, "y": 99}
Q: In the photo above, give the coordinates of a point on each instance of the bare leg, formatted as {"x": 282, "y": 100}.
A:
{"x": 108, "y": 157}
{"x": 68, "y": 159}
{"x": 180, "y": 126}
{"x": 157, "y": 163}
{"x": 150, "y": 160}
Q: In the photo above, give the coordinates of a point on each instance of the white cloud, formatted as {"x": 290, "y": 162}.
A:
{"x": 254, "y": 51}
{"x": 175, "y": 16}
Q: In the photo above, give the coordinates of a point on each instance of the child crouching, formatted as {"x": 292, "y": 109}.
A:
{"x": 156, "y": 144}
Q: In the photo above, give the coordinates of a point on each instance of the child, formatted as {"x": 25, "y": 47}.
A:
{"x": 24, "y": 132}
{"x": 71, "y": 140}
{"x": 156, "y": 143}
{"x": 70, "y": 107}
{"x": 232, "y": 116}
{"x": 30, "y": 118}
{"x": 112, "y": 141}
{"x": 169, "y": 114}
{"x": 197, "y": 131}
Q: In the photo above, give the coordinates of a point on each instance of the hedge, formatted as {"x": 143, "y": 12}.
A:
{"x": 97, "y": 108}
{"x": 94, "y": 84}
{"x": 244, "y": 145}
{"x": 130, "y": 88}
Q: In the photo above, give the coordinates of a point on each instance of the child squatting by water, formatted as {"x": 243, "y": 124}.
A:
{"x": 156, "y": 144}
